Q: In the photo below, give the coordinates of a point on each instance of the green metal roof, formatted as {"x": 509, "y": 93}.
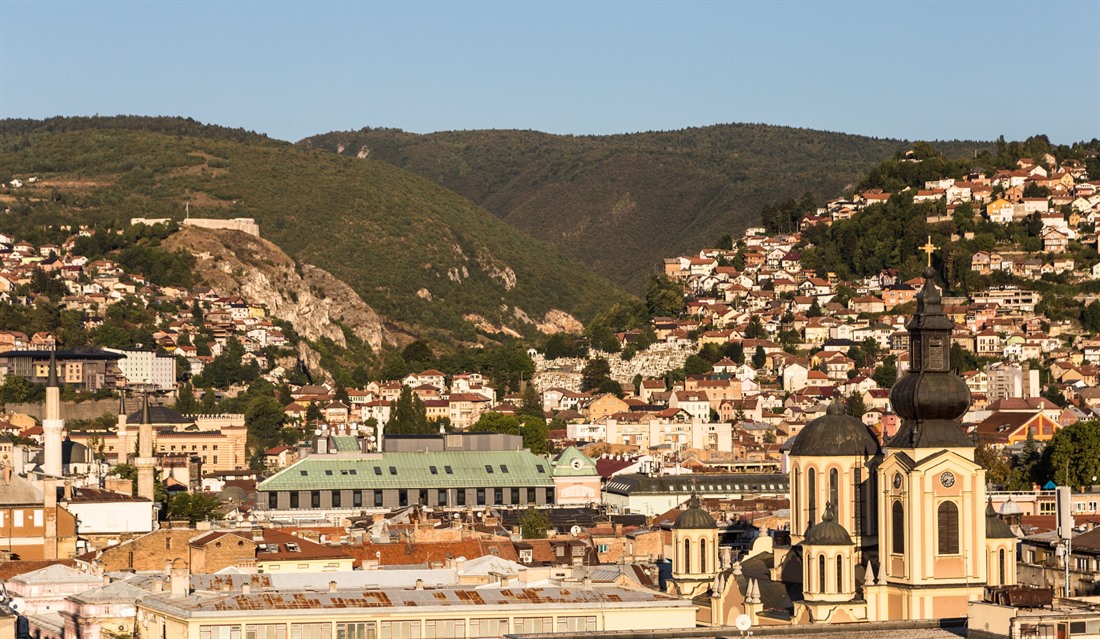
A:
{"x": 573, "y": 463}
{"x": 346, "y": 444}
{"x": 496, "y": 469}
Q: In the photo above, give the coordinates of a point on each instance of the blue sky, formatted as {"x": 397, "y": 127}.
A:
{"x": 927, "y": 70}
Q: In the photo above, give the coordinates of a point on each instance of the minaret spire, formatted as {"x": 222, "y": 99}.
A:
{"x": 146, "y": 461}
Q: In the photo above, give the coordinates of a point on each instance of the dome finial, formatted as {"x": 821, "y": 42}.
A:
{"x": 836, "y": 407}
{"x": 830, "y": 512}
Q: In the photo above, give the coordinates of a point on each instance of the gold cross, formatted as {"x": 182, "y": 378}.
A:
{"x": 928, "y": 249}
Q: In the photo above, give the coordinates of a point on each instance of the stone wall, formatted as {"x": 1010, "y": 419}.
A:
{"x": 77, "y": 410}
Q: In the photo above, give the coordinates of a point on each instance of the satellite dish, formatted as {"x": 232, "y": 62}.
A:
{"x": 742, "y": 622}
{"x": 455, "y": 516}
{"x": 17, "y": 605}
{"x": 575, "y": 530}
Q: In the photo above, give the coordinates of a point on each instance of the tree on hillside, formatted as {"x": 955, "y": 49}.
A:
{"x": 264, "y": 419}
{"x": 855, "y": 404}
{"x": 759, "y": 358}
{"x": 695, "y": 365}
{"x": 886, "y": 373}
{"x": 603, "y": 338}
{"x": 1072, "y": 457}
{"x": 493, "y": 422}
{"x": 408, "y": 416}
{"x": 595, "y": 372}
{"x": 755, "y": 328}
{"x": 1090, "y": 317}
{"x": 419, "y": 352}
{"x": 531, "y": 401}
{"x": 663, "y": 297}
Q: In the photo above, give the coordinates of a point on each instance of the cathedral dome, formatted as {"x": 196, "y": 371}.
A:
{"x": 835, "y": 434}
{"x": 694, "y": 518}
{"x": 827, "y": 532}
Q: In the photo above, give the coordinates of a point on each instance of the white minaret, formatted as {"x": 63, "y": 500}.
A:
{"x": 146, "y": 462}
{"x": 125, "y": 449}
{"x": 53, "y": 425}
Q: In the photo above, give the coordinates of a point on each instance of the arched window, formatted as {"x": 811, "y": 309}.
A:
{"x": 687, "y": 555}
{"x": 811, "y": 495}
{"x": 897, "y": 528}
{"x": 834, "y": 489}
{"x": 821, "y": 573}
{"x": 795, "y": 502}
{"x": 948, "y": 528}
{"x": 839, "y": 573}
{"x": 702, "y": 555}
{"x": 1001, "y": 566}
{"x": 857, "y": 499}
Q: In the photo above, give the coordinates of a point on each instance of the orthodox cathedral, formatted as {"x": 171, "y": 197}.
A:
{"x": 878, "y": 533}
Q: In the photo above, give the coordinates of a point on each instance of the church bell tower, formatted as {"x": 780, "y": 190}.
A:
{"x": 932, "y": 524}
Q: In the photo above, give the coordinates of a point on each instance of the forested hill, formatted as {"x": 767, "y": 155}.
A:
{"x": 621, "y": 203}
{"x": 416, "y": 252}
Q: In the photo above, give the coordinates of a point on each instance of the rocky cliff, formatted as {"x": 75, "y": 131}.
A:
{"x": 310, "y": 298}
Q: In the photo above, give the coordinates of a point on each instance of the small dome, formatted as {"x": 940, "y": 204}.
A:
{"x": 827, "y": 532}
{"x": 1010, "y": 508}
{"x": 835, "y": 434}
{"x": 694, "y": 518}
{"x": 995, "y": 527}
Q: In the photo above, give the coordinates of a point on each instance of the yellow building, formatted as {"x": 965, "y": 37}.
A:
{"x": 892, "y": 534}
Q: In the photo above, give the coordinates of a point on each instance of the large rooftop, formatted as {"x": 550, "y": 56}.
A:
{"x": 490, "y": 469}
{"x": 704, "y": 484}
{"x": 323, "y": 603}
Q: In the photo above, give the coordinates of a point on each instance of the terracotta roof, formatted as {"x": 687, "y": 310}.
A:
{"x": 427, "y": 553}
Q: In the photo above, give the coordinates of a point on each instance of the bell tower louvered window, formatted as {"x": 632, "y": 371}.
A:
{"x": 947, "y": 528}
{"x": 897, "y": 528}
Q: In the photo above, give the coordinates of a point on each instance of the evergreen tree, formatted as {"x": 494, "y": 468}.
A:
{"x": 856, "y": 406}
{"x": 408, "y": 415}
{"x": 759, "y": 358}
{"x": 531, "y": 402}
{"x": 313, "y": 413}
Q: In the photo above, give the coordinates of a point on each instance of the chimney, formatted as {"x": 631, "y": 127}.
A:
{"x": 420, "y": 584}
{"x": 587, "y": 582}
{"x": 332, "y": 586}
{"x": 246, "y": 588}
{"x": 181, "y": 580}
{"x": 158, "y": 586}
{"x": 68, "y": 490}
{"x": 618, "y": 530}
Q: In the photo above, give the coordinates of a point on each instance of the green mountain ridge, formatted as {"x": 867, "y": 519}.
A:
{"x": 416, "y": 252}
{"x": 621, "y": 203}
